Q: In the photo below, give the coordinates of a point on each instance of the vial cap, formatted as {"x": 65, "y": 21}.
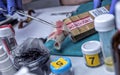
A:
{"x": 91, "y": 47}
{"x": 104, "y": 22}
{"x": 4, "y": 32}
{"x": 117, "y": 9}
{"x": 60, "y": 65}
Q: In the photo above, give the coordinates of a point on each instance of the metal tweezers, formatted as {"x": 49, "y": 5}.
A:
{"x": 37, "y": 19}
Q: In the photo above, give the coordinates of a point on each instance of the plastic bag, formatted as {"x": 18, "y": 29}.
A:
{"x": 33, "y": 54}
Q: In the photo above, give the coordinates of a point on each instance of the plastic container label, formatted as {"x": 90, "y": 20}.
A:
{"x": 92, "y": 60}
{"x": 59, "y": 63}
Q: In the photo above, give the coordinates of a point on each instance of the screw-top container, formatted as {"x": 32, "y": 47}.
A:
{"x": 9, "y": 71}
{"x": 6, "y": 65}
{"x": 105, "y": 26}
{"x": 61, "y": 66}
{"x": 7, "y": 38}
{"x": 92, "y": 53}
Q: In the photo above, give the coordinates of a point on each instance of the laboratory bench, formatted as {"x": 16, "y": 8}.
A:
{"x": 40, "y": 30}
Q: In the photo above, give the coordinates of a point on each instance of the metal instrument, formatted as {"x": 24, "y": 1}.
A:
{"x": 34, "y": 18}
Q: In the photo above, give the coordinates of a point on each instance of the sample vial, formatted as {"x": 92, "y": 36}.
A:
{"x": 105, "y": 26}
{"x": 6, "y": 65}
{"x": 61, "y": 66}
{"x": 92, "y": 53}
{"x": 7, "y": 38}
{"x": 116, "y": 41}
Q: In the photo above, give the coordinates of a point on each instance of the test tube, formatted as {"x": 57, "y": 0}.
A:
{"x": 105, "y": 26}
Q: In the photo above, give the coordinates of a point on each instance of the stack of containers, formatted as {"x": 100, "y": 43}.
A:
{"x": 6, "y": 65}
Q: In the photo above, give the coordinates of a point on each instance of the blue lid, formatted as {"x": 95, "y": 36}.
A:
{"x": 60, "y": 65}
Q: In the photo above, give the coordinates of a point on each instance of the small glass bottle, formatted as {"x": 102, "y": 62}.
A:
{"x": 105, "y": 26}
{"x": 116, "y": 41}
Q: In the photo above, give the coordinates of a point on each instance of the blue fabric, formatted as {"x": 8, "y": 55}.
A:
{"x": 70, "y": 48}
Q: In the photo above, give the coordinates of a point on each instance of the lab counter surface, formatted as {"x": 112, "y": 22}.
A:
{"x": 37, "y": 29}
{"x": 79, "y": 67}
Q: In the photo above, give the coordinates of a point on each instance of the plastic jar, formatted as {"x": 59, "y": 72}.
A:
{"x": 92, "y": 53}
{"x": 105, "y": 25}
{"x": 7, "y": 38}
{"x": 9, "y": 71}
{"x": 6, "y": 65}
{"x": 61, "y": 66}
{"x": 34, "y": 55}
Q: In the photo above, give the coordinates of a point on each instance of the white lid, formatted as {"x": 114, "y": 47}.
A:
{"x": 104, "y": 22}
{"x": 91, "y": 47}
{"x": 117, "y": 9}
{"x": 5, "y": 32}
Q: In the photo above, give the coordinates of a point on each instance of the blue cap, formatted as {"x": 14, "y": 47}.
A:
{"x": 64, "y": 64}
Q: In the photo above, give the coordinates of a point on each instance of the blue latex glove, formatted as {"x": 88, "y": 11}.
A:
{"x": 11, "y": 5}
{"x": 97, "y": 3}
{"x": 112, "y": 8}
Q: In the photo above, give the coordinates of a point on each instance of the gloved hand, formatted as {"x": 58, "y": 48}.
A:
{"x": 97, "y": 3}
{"x": 11, "y": 6}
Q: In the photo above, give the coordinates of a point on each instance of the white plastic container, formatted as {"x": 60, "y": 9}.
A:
{"x": 9, "y": 71}
{"x": 92, "y": 53}
{"x": 5, "y": 63}
{"x": 3, "y": 56}
{"x": 7, "y": 38}
{"x": 105, "y": 25}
